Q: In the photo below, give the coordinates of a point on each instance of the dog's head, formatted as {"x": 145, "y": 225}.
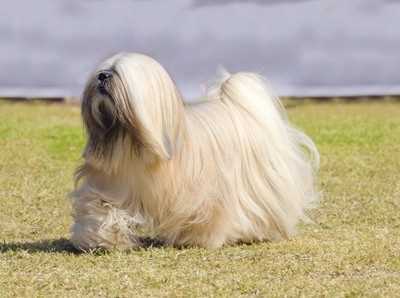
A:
{"x": 131, "y": 96}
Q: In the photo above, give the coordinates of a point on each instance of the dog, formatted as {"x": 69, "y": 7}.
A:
{"x": 227, "y": 169}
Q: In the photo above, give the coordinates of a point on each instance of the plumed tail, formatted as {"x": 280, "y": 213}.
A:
{"x": 281, "y": 161}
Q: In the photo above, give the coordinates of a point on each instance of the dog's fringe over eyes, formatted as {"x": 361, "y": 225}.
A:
{"x": 229, "y": 168}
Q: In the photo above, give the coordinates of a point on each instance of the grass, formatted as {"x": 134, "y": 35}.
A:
{"x": 352, "y": 250}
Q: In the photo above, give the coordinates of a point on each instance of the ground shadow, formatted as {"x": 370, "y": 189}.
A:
{"x": 62, "y": 245}
{"x": 47, "y": 246}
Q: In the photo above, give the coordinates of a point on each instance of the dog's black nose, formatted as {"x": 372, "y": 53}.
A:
{"x": 104, "y": 75}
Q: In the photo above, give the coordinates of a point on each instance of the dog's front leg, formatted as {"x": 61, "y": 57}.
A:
{"x": 99, "y": 223}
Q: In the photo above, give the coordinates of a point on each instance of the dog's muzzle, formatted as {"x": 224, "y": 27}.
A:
{"x": 102, "y": 79}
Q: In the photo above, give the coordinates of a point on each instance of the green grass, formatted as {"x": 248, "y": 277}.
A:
{"x": 352, "y": 250}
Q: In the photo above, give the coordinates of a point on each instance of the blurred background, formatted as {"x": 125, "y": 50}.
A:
{"x": 304, "y": 48}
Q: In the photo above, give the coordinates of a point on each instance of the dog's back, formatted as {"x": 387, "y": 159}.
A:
{"x": 246, "y": 150}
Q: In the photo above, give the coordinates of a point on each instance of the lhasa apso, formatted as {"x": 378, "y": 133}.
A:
{"x": 227, "y": 169}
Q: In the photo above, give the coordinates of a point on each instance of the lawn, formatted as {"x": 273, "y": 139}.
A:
{"x": 352, "y": 249}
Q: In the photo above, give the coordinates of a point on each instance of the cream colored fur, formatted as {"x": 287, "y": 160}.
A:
{"x": 228, "y": 169}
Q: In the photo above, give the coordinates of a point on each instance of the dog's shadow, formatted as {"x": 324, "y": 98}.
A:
{"x": 62, "y": 245}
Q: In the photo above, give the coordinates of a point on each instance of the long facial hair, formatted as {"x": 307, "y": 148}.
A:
{"x": 106, "y": 118}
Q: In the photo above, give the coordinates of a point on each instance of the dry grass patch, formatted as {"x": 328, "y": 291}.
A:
{"x": 353, "y": 249}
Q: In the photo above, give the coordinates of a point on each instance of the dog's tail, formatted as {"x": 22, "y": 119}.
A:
{"x": 284, "y": 157}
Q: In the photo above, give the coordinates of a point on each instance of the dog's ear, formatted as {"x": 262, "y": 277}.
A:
{"x": 156, "y": 135}
{"x": 149, "y": 102}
